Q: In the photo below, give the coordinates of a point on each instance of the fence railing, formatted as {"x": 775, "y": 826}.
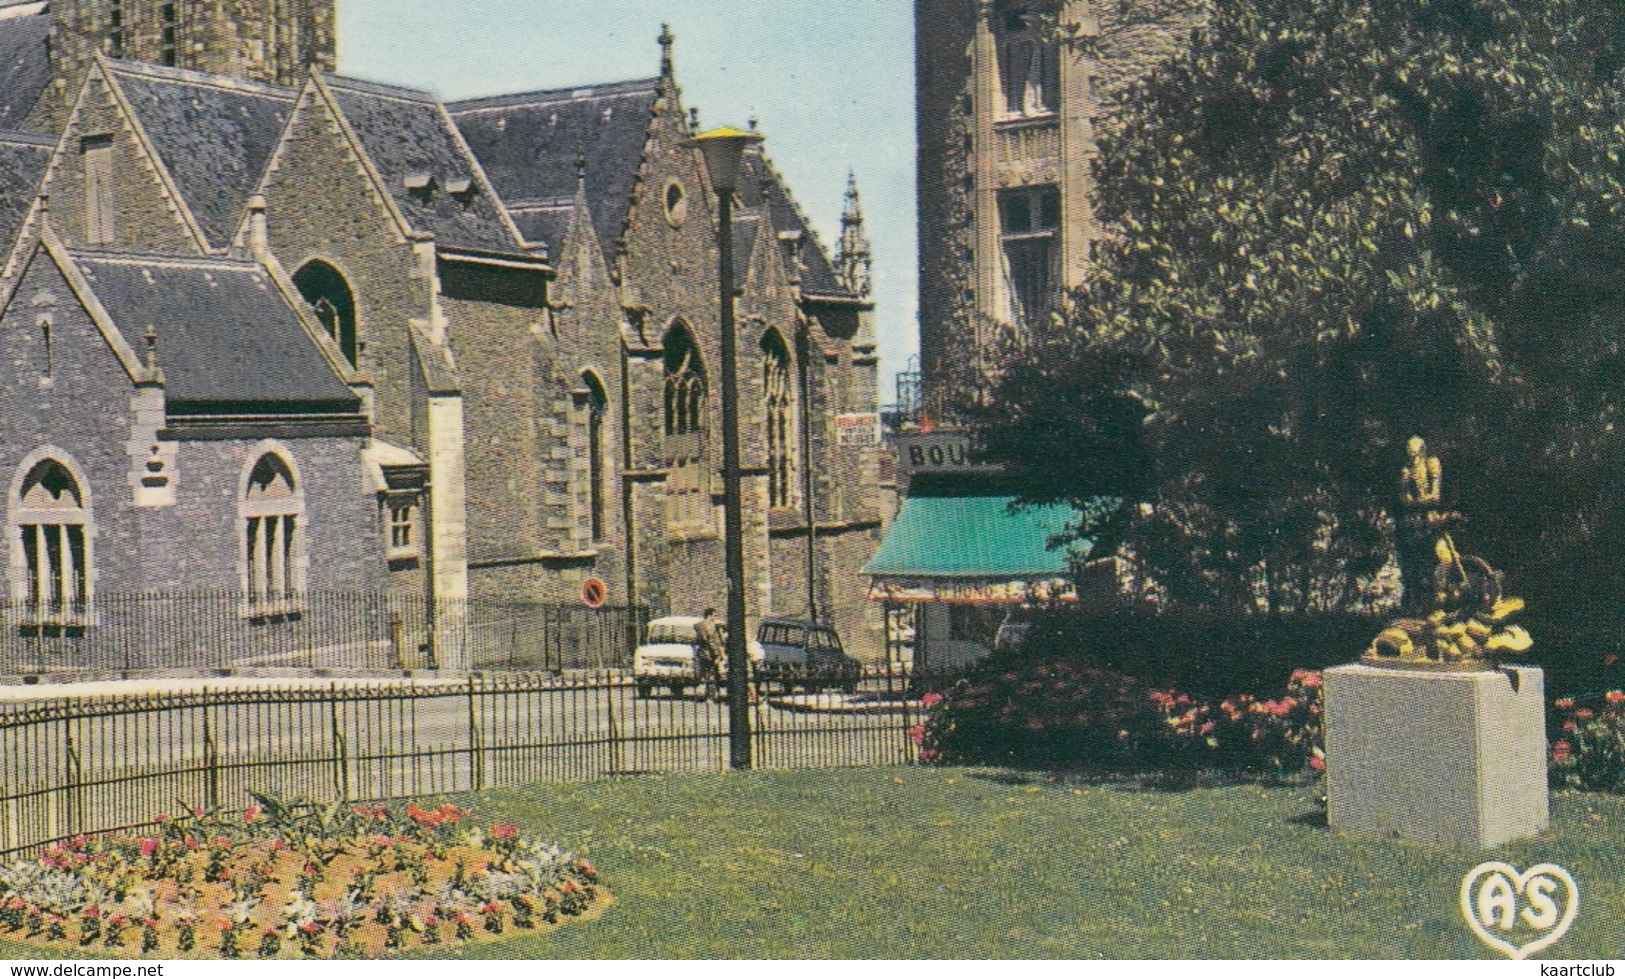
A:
{"x": 207, "y": 632}
{"x": 93, "y": 764}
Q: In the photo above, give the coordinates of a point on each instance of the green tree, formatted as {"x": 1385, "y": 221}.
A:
{"x": 1342, "y": 223}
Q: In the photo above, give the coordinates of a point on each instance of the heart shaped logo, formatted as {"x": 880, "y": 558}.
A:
{"x": 1541, "y": 901}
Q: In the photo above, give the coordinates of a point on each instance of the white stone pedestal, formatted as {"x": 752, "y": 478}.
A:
{"x": 1453, "y": 758}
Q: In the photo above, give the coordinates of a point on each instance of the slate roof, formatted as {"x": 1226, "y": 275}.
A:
{"x": 529, "y": 143}
{"x": 25, "y": 67}
{"x": 215, "y": 135}
{"x": 407, "y": 136}
{"x": 796, "y": 236}
{"x": 227, "y": 340}
{"x": 22, "y": 164}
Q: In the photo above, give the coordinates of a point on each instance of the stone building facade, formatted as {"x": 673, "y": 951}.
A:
{"x": 1013, "y": 96}
{"x": 516, "y": 294}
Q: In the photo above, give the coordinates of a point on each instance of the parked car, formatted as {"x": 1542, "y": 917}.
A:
{"x": 670, "y": 655}
{"x": 797, "y": 652}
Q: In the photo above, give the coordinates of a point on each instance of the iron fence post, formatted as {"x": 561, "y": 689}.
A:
{"x": 211, "y": 757}
{"x": 341, "y": 751}
{"x": 476, "y": 736}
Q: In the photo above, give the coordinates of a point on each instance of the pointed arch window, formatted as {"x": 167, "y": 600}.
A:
{"x": 52, "y": 557}
{"x": 332, "y": 302}
{"x": 687, "y": 489}
{"x": 776, "y": 395}
{"x": 272, "y": 520}
{"x": 597, "y": 415}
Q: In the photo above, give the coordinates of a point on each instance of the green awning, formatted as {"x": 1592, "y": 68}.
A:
{"x": 977, "y": 537}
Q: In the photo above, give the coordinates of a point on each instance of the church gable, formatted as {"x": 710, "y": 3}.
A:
{"x": 418, "y": 158}
{"x": 213, "y": 134}
{"x": 108, "y": 188}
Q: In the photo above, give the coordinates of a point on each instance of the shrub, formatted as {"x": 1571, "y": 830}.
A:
{"x": 1588, "y": 744}
{"x": 1058, "y": 714}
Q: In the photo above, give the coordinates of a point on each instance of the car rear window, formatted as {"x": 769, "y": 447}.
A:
{"x": 781, "y": 635}
{"x": 671, "y": 633}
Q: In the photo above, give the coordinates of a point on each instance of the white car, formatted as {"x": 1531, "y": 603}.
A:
{"x": 670, "y": 656}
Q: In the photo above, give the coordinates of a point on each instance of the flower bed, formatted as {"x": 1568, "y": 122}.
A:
{"x": 1059, "y": 714}
{"x": 1588, "y": 743}
{"x": 292, "y": 879}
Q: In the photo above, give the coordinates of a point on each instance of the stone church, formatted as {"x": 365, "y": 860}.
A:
{"x": 280, "y": 332}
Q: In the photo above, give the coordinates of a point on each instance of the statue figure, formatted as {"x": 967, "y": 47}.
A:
{"x": 1421, "y": 518}
{"x": 1469, "y": 625}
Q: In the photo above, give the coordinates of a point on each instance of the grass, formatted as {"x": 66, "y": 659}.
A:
{"x": 960, "y": 863}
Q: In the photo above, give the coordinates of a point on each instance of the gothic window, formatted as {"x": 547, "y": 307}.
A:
{"x": 332, "y": 303}
{"x": 168, "y": 14}
{"x": 97, "y": 154}
{"x": 597, "y": 414}
{"x": 52, "y": 521}
{"x": 1029, "y": 219}
{"x": 687, "y": 489}
{"x": 115, "y": 28}
{"x": 1029, "y": 66}
{"x": 272, "y": 512}
{"x": 776, "y": 390}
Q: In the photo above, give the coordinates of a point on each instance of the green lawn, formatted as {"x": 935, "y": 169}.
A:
{"x": 964, "y": 863}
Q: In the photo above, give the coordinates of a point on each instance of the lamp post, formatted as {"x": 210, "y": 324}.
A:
{"x": 724, "y": 150}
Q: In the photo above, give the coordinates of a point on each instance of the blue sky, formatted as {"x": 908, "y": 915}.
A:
{"x": 832, "y": 82}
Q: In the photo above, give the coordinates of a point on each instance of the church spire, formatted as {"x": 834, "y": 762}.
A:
{"x": 667, "y": 39}
{"x": 854, "y": 258}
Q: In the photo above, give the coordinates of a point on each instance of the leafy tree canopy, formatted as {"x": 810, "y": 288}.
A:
{"x": 1341, "y": 223}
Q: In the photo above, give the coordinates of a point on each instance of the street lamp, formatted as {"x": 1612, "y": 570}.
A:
{"x": 724, "y": 150}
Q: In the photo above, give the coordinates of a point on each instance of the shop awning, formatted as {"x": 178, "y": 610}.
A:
{"x": 975, "y": 548}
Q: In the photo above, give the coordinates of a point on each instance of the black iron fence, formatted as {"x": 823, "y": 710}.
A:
{"x": 92, "y": 764}
{"x": 210, "y": 632}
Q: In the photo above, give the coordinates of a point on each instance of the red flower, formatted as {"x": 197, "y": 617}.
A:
{"x": 310, "y": 927}
{"x": 1560, "y": 751}
{"x": 1584, "y": 715}
{"x": 504, "y": 831}
{"x": 490, "y": 907}
{"x": 1615, "y": 696}
{"x": 223, "y": 925}
{"x": 149, "y": 845}
{"x": 931, "y": 699}
{"x": 1209, "y": 728}
{"x": 1563, "y": 703}
{"x": 1570, "y": 726}
{"x": 1317, "y": 763}
{"x": 917, "y": 733}
{"x": 252, "y": 813}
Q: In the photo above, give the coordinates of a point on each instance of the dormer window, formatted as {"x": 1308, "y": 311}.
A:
{"x": 463, "y": 189}
{"x": 420, "y": 185}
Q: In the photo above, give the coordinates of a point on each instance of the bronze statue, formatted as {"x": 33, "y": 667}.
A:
{"x": 1469, "y": 626}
